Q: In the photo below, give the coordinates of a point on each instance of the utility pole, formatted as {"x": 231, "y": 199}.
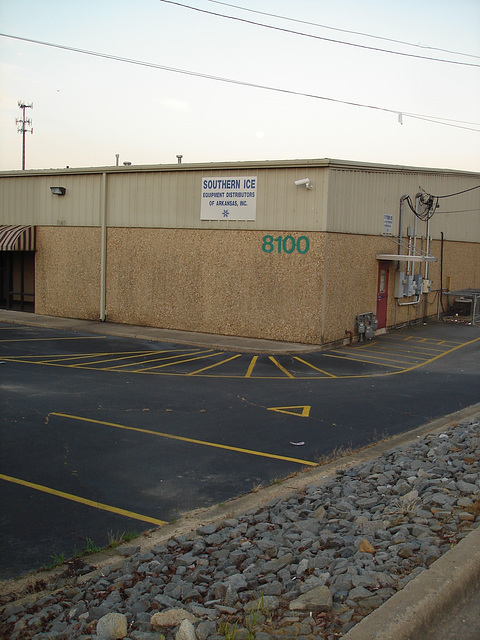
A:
{"x": 22, "y": 127}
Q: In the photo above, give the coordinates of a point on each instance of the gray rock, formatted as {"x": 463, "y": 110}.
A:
{"x": 342, "y": 582}
{"x": 236, "y": 581}
{"x": 369, "y": 604}
{"x": 273, "y": 566}
{"x": 205, "y": 629}
{"x": 171, "y": 618}
{"x": 442, "y": 499}
{"x": 273, "y": 588}
{"x": 112, "y": 626}
{"x": 207, "y": 529}
{"x": 186, "y": 631}
{"x": 231, "y": 596}
{"x": 265, "y": 603}
{"x": 357, "y": 593}
{"x": 320, "y": 513}
{"x": 318, "y": 599}
{"x": 467, "y": 487}
{"x": 406, "y": 551}
{"x": 127, "y": 550}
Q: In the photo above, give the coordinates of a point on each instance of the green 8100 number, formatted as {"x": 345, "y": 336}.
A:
{"x": 288, "y": 244}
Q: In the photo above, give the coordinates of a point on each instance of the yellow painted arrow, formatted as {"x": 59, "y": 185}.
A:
{"x": 301, "y": 410}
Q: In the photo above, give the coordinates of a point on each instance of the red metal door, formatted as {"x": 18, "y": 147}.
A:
{"x": 382, "y": 294}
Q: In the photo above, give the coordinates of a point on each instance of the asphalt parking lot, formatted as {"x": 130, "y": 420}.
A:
{"x": 103, "y": 435}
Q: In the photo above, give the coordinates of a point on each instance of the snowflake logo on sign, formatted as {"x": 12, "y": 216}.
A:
{"x": 225, "y": 213}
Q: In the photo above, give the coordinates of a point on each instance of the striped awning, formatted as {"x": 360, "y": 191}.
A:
{"x": 17, "y": 238}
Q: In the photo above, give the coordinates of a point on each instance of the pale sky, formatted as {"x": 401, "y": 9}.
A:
{"x": 88, "y": 109}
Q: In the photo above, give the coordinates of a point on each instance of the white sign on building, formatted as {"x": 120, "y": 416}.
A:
{"x": 387, "y": 224}
{"x": 229, "y": 198}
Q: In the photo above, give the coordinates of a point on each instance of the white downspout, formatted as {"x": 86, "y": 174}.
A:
{"x": 103, "y": 249}
{"x": 400, "y": 224}
{"x": 428, "y": 248}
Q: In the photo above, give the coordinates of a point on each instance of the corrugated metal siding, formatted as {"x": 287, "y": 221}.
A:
{"x": 173, "y": 199}
{"x": 358, "y": 201}
{"x": 28, "y": 200}
{"x": 346, "y": 198}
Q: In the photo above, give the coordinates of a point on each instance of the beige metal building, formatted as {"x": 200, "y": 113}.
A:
{"x": 287, "y": 250}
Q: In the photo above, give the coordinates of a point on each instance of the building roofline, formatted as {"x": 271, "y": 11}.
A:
{"x": 235, "y": 165}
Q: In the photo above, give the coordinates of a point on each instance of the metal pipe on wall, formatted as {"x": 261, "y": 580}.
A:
{"x": 427, "y": 248}
{"x": 407, "y": 304}
{"x": 103, "y": 249}
{"x": 400, "y": 224}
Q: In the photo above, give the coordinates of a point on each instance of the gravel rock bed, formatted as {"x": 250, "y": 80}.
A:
{"x": 310, "y": 565}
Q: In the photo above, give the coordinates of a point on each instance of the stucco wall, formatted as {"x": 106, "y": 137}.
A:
{"x": 67, "y": 272}
{"x": 223, "y": 282}
{"x": 461, "y": 268}
{"x": 351, "y": 279}
{"x": 215, "y": 282}
{"x": 461, "y": 264}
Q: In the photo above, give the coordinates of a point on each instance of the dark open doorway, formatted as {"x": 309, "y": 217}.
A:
{"x": 17, "y": 280}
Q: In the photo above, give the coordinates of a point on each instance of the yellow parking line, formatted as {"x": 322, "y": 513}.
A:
{"x": 89, "y": 503}
{"x": 118, "y": 356}
{"x": 428, "y": 353}
{"x": 184, "y": 439}
{"x": 312, "y": 367}
{"x": 366, "y": 355}
{"x": 251, "y": 366}
{"x": 79, "y": 356}
{"x": 379, "y": 364}
{"x": 277, "y": 364}
{"x": 209, "y": 353}
{"x": 394, "y": 353}
{"x": 216, "y": 364}
{"x": 396, "y": 343}
{"x": 152, "y": 353}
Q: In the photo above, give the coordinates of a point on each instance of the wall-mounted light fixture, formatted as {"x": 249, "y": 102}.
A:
{"x": 305, "y": 181}
{"x": 58, "y": 191}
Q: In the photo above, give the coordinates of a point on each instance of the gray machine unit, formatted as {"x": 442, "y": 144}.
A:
{"x": 407, "y": 285}
{"x": 366, "y": 325}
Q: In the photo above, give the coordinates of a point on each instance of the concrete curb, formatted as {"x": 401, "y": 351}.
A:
{"x": 176, "y": 336}
{"x": 411, "y": 612}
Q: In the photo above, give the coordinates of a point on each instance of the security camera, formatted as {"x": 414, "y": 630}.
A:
{"x": 305, "y": 181}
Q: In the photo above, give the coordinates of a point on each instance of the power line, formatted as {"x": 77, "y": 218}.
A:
{"x": 197, "y": 74}
{"x": 446, "y": 124}
{"x": 308, "y": 35}
{"x": 459, "y": 211}
{"x": 428, "y": 203}
{"x": 356, "y": 33}
{"x": 449, "y": 195}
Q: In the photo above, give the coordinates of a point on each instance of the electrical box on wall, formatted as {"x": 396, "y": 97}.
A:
{"x": 399, "y": 284}
{"x": 409, "y": 287}
{"x": 418, "y": 280}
